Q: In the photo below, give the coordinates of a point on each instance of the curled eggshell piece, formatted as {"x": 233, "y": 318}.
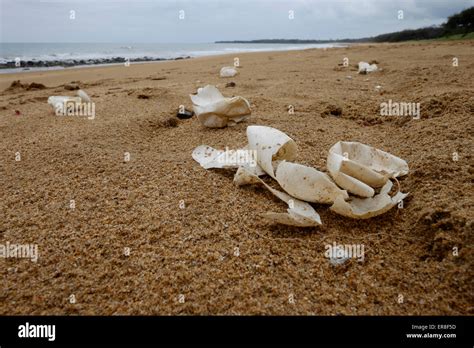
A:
{"x": 228, "y": 71}
{"x": 359, "y": 168}
{"x": 363, "y": 173}
{"x": 345, "y": 181}
{"x": 215, "y": 111}
{"x": 271, "y": 145}
{"x": 299, "y": 213}
{"x": 365, "y": 208}
{"x": 308, "y": 184}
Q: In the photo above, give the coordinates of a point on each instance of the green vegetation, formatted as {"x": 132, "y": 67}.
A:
{"x": 460, "y": 23}
{"x": 469, "y": 36}
{"x": 458, "y": 26}
{"x": 409, "y": 35}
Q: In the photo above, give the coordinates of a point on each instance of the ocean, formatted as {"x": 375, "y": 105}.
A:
{"x": 46, "y": 56}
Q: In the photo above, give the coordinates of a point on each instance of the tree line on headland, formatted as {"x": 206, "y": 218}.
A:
{"x": 460, "y": 24}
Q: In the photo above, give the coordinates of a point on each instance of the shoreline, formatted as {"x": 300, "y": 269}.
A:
{"x": 48, "y": 65}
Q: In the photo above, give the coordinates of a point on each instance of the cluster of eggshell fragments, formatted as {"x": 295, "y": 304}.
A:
{"x": 358, "y": 185}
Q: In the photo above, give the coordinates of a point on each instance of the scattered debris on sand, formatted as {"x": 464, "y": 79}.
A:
{"x": 216, "y": 111}
{"x": 184, "y": 114}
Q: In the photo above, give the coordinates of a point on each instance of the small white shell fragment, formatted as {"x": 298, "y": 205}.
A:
{"x": 358, "y": 168}
{"x": 307, "y": 184}
{"x": 291, "y": 219}
{"x": 54, "y": 100}
{"x": 215, "y": 111}
{"x": 271, "y": 145}
{"x": 60, "y": 102}
{"x": 365, "y": 208}
{"x": 228, "y": 71}
{"x": 208, "y": 158}
{"x": 300, "y": 213}
{"x": 83, "y": 95}
{"x": 339, "y": 256}
{"x": 365, "y": 67}
{"x": 247, "y": 175}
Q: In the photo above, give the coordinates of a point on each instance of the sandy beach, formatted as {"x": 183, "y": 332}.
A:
{"x": 128, "y": 248}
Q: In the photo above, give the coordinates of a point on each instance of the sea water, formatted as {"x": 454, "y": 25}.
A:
{"x": 101, "y": 52}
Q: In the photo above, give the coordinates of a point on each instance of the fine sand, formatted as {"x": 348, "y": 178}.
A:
{"x": 186, "y": 261}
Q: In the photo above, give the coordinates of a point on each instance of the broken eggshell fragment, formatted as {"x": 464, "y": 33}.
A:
{"x": 365, "y": 68}
{"x": 308, "y": 184}
{"x": 216, "y": 111}
{"x": 208, "y": 158}
{"x": 248, "y": 175}
{"x": 365, "y": 208}
{"x": 299, "y": 213}
{"x": 61, "y": 103}
{"x": 228, "y": 71}
{"x": 270, "y": 145}
{"x": 61, "y": 100}
{"x": 359, "y": 168}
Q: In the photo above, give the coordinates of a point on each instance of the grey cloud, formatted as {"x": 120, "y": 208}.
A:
{"x": 210, "y": 20}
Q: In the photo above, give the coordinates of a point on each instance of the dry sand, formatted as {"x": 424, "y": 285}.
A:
{"x": 191, "y": 251}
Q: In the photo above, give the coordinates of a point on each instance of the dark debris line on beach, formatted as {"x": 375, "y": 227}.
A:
{"x": 77, "y": 62}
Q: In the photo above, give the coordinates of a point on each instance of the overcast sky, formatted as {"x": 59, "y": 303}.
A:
{"x": 211, "y": 20}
